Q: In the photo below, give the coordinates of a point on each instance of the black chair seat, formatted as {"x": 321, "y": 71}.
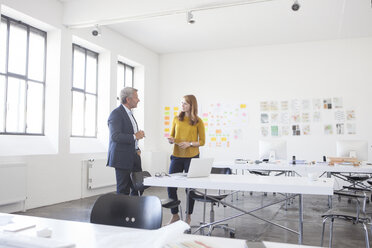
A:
{"x": 357, "y": 177}
{"x": 260, "y": 173}
{"x": 369, "y": 182}
{"x": 200, "y": 197}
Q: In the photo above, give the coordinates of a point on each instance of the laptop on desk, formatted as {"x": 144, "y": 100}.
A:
{"x": 199, "y": 167}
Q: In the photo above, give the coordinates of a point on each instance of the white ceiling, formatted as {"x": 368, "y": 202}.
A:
{"x": 258, "y": 23}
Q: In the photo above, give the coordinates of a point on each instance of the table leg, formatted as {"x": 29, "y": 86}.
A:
{"x": 187, "y": 202}
{"x": 329, "y": 197}
{"x": 301, "y": 219}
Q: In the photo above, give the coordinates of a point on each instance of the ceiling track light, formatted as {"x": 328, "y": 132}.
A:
{"x": 296, "y": 6}
{"x": 190, "y": 17}
{"x": 96, "y": 31}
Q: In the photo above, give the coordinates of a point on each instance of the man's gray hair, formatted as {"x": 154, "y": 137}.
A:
{"x": 126, "y": 92}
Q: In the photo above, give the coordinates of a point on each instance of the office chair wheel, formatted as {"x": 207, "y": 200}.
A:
{"x": 349, "y": 200}
{"x": 274, "y": 194}
{"x": 251, "y": 193}
{"x": 232, "y": 235}
{"x": 265, "y": 193}
{"x": 188, "y": 231}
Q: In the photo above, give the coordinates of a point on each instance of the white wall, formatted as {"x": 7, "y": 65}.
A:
{"x": 336, "y": 68}
{"x": 57, "y": 175}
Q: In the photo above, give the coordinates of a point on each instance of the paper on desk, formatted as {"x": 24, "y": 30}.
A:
{"x": 146, "y": 238}
{"x": 5, "y": 219}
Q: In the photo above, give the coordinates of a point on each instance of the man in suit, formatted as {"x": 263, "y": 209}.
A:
{"x": 124, "y": 154}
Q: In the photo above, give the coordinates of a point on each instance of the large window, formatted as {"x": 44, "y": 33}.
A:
{"x": 125, "y": 78}
{"x": 84, "y": 92}
{"x": 22, "y": 78}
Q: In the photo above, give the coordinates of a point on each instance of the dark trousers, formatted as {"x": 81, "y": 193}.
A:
{"x": 180, "y": 165}
{"x": 123, "y": 181}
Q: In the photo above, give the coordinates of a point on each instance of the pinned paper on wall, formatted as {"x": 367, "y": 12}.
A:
{"x": 295, "y": 104}
{"x": 274, "y": 106}
{"x": 284, "y": 105}
{"x": 340, "y": 128}
{"x": 169, "y": 114}
{"x": 328, "y": 129}
{"x": 337, "y": 102}
{"x": 274, "y": 117}
{"x": 264, "y": 106}
{"x": 296, "y": 118}
{"x": 340, "y": 116}
{"x": 305, "y": 117}
{"x": 306, "y": 104}
{"x": 351, "y": 128}
{"x": 265, "y": 131}
{"x": 285, "y": 130}
{"x": 296, "y": 130}
{"x": 317, "y": 104}
{"x": 327, "y": 103}
{"x": 264, "y": 118}
{"x": 274, "y": 131}
{"x": 306, "y": 130}
{"x": 350, "y": 115}
{"x": 284, "y": 118}
{"x": 317, "y": 117}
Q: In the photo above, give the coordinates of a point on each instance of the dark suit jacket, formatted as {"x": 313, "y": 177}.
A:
{"x": 121, "y": 152}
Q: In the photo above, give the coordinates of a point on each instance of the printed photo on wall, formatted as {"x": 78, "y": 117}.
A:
{"x": 351, "y": 128}
{"x": 274, "y": 131}
{"x": 264, "y": 118}
{"x": 337, "y": 102}
{"x": 328, "y": 129}
{"x": 350, "y": 115}
{"x": 264, "y": 106}
{"x": 340, "y": 128}
{"x": 285, "y": 130}
{"x": 327, "y": 103}
{"x": 340, "y": 116}
{"x": 306, "y": 130}
{"x": 264, "y": 131}
{"x": 296, "y": 130}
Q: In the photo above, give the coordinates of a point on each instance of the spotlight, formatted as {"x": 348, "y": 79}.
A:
{"x": 96, "y": 31}
{"x": 190, "y": 18}
{"x": 296, "y": 6}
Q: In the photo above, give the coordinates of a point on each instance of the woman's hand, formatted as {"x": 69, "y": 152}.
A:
{"x": 184, "y": 145}
{"x": 171, "y": 140}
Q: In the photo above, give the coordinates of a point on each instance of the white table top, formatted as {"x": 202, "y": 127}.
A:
{"x": 87, "y": 235}
{"x": 295, "y": 185}
{"x": 299, "y": 168}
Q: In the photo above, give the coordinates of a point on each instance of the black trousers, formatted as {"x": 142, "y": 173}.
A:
{"x": 123, "y": 181}
{"x": 180, "y": 165}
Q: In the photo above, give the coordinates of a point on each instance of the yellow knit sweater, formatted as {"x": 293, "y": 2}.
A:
{"x": 182, "y": 131}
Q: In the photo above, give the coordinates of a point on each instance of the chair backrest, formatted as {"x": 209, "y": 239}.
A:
{"x": 137, "y": 180}
{"x": 225, "y": 170}
{"x": 129, "y": 211}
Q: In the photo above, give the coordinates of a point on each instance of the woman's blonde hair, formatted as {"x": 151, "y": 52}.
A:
{"x": 190, "y": 99}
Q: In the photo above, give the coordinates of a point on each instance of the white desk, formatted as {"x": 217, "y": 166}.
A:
{"x": 292, "y": 185}
{"x": 87, "y": 235}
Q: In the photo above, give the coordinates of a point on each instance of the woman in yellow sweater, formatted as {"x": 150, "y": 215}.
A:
{"x": 187, "y": 135}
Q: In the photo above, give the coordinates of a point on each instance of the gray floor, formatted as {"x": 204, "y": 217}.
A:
{"x": 345, "y": 234}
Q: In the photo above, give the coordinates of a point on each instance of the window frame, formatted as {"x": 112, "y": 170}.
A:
{"x": 86, "y": 52}
{"x": 7, "y": 74}
{"x": 125, "y": 76}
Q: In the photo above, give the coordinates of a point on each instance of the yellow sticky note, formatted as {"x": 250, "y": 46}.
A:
{"x": 166, "y": 108}
{"x": 243, "y": 105}
{"x": 213, "y": 139}
{"x": 166, "y": 129}
{"x": 223, "y": 139}
{"x": 175, "y": 108}
{"x": 175, "y": 113}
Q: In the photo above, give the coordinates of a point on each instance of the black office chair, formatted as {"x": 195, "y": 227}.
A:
{"x": 137, "y": 181}
{"x": 143, "y": 212}
{"x": 207, "y": 199}
{"x": 355, "y": 215}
